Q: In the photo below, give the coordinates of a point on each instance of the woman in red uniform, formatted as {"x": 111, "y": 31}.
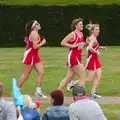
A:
{"x": 31, "y": 58}
{"x": 75, "y": 42}
{"x": 93, "y": 64}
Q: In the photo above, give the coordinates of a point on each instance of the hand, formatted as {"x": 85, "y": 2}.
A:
{"x": 34, "y": 106}
{"x": 103, "y": 48}
{"x": 74, "y": 46}
{"x": 81, "y": 45}
{"x": 44, "y": 41}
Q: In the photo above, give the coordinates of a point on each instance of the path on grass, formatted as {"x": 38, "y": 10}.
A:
{"x": 69, "y": 100}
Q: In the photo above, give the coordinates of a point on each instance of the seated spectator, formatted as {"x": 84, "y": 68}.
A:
{"x": 29, "y": 111}
{"x": 7, "y": 109}
{"x": 57, "y": 111}
{"x": 26, "y": 109}
{"x": 84, "y": 108}
{"x": 28, "y": 105}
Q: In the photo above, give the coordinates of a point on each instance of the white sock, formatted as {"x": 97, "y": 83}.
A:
{"x": 76, "y": 82}
{"x": 92, "y": 93}
{"x": 38, "y": 89}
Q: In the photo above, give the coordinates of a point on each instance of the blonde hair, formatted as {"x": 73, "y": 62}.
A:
{"x": 75, "y": 22}
{"x": 28, "y": 102}
{"x": 91, "y": 27}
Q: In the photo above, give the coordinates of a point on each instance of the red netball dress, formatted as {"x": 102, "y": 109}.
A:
{"x": 93, "y": 62}
{"x": 31, "y": 56}
{"x": 75, "y": 54}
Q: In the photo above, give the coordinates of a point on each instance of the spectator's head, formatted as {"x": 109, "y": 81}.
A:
{"x": 77, "y": 92}
{"x": 57, "y": 97}
{"x": 1, "y": 90}
{"x": 28, "y": 103}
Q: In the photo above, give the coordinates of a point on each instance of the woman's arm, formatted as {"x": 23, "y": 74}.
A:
{"x": 34, "y": 38}
{"x": 102, "y": 48}
{"x": 90, "y": 46}
{"x": 68, "y": 38}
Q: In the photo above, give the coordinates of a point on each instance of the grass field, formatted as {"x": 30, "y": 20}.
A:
{"x": 54, "y": 59}
{"x": 58, "y": 2}
{"x": 110, "y": 111}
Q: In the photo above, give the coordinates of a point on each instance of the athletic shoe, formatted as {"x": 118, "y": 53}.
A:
{"x": 94, "y": 95}
{"x": 70, "y": 85}
{"x": 40, "y": 95}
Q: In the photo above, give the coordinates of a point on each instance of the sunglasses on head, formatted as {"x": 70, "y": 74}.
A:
{"x": 35, "y": 23}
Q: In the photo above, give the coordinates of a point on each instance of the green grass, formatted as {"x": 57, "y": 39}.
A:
{"x": 54, "y": 59}
{"x": 59, "y": 2}
{"x": 110, "y": 111}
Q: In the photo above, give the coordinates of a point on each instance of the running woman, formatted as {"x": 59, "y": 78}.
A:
{"x": 75, "y": 42}
{"x": 93, "y": 64}
{"x": 74, "y": 82}
{"x": 31, "y": 58}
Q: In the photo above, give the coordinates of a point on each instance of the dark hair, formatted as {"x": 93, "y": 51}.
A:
{"x": 1, "y": 90}
{"x": 75, "y": 22}
{"x": 58, "y": 97}
{"x": 28, "y": 27}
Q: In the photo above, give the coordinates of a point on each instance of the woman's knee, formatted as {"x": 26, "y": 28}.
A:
{"x": 40, "y": 73}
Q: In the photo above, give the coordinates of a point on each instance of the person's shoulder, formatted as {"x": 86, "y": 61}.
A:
{"x": 49, "y": 109}
{"x": 35, "y": 112}
{"x": 65, "y": 107}
{"x": 6, "y": 103}
{"x": 92, "y": 102}
{"x": 72, "y": 105}
{"x": 10, "y": 105}
{"x": 33, "y": 33}
{"x": 90, "y": 38}
{"x": 71, "y": 34}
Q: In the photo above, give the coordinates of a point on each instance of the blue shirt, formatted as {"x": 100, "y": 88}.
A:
{"x": 30, "y": 114}
{"x": 56, "y": 113}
